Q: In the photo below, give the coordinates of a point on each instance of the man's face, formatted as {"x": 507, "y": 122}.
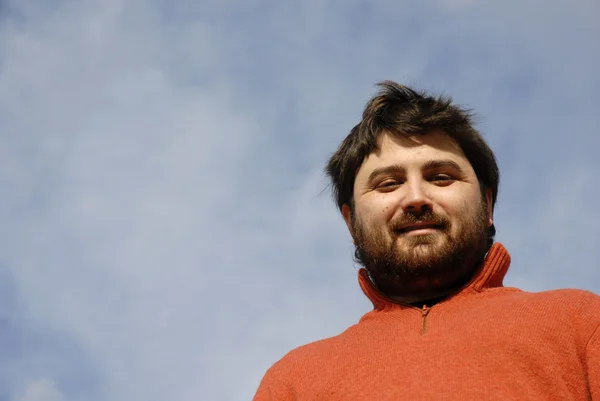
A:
{"x": 419, "y": 221}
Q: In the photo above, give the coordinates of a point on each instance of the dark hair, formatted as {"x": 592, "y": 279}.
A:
{"x": 400, "y": 110}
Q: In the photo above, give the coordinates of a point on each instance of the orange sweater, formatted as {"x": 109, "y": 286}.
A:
{"x": 487, "y": 342}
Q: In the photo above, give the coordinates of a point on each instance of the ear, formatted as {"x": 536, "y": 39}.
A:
{"x": 488, "y": 199}
{"x": 347, "y": 213}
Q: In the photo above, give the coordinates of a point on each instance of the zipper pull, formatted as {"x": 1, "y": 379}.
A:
{"x": 424, "y": 313}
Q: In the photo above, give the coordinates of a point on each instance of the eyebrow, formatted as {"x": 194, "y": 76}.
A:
{"x": 393, "y": 169}
{"x": 429, "y": 165}
{"x": 439, "y": 164}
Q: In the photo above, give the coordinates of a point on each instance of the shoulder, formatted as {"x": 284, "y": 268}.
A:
{"x": 308, "y": 360}
{"x": 306, "y": 370}
{"x": 569, "y": 298}
{"x": 580, "y": 308}
{"x": 308, "y": 355}
{"x": 573, "y": 299}
{"x": 570, "y": 307}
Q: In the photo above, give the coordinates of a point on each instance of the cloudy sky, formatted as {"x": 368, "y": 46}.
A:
{"x": 164, "y": 231}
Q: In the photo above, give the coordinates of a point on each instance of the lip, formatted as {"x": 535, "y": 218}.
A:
{"x": 424, "y": 226}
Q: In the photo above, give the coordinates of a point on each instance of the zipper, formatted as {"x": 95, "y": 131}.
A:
{"x": 424, "y": 313}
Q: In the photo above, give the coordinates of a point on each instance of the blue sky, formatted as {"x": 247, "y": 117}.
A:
{"x": 164, "y": 232}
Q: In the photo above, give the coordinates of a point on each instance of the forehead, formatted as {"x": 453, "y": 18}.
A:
{"x": 412, "y": 150}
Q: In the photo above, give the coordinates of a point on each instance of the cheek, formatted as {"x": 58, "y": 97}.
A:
{"x": 460, "y": 208}
{"x": 374, "y": 214}
{"x": 381, "y": 210}
{"x": 466, "y": 209}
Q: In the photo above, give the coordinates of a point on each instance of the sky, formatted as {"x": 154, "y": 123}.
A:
{"x": 166, "y": 229}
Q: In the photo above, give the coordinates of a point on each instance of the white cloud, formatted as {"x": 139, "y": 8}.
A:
{"x": 40, "y": 390}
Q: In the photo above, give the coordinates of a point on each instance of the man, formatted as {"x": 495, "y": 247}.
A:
{"x": 416, "y": 185}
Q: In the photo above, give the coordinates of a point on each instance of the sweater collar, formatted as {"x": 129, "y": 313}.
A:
{"x": 490, "y": 274}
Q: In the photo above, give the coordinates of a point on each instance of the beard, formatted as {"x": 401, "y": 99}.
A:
{"x": 422, "y": 266}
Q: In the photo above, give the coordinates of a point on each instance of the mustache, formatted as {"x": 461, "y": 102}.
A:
{"x": 412, "y": 218}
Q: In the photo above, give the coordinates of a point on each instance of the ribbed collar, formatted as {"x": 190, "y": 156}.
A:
{"x": 490, "y": 274}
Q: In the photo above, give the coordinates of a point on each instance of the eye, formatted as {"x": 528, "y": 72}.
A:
{"x": 388, "y": 185}
{"x": 441, "y": 179}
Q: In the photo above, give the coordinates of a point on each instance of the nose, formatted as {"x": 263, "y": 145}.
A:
{"x": 416, "y": 199}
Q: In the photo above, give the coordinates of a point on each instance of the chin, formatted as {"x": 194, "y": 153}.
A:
{"x": 420, "y": 241}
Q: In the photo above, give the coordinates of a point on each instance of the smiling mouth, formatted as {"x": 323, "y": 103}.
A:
{"x": 419, "y": 227}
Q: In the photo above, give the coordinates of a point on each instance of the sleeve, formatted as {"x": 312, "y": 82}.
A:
{"x": 593, "y": 364}
{"x": 263, "y": 393}
{"x": 274, "y": 388}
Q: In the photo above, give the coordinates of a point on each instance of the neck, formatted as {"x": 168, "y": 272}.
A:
{"x": 425, "y": 299}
